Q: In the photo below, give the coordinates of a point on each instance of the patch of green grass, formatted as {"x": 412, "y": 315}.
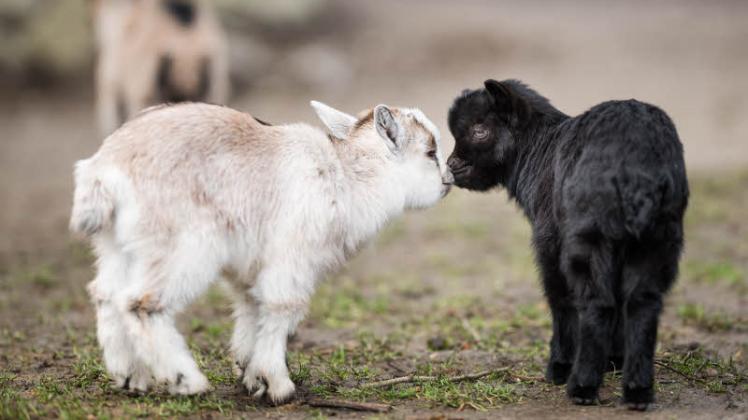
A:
{"x": 341, "y": 304}
{"x": 488, "y": 392}
{"x": 695, "y": 314}
{"x": 13, "y": 405}
{"x": 184, "y": 406}
{"x": 42, "y": 276}
{"x": 715, "y": 272}
{"x": 711, "y": 372}
{"x": 87, "y": 369}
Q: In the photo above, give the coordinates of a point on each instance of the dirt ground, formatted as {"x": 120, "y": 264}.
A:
{"x": 443, "y": 292}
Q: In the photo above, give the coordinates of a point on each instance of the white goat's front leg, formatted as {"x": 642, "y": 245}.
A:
{"x": 245, "y": 327}
{"x": 283, "y": 298}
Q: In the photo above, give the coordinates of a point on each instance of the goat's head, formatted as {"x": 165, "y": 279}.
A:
{"x": 407, "y": 138}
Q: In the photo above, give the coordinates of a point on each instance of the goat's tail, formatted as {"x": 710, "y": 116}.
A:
{"x": 641, "y": 194}
{"x": 93, "y": 204}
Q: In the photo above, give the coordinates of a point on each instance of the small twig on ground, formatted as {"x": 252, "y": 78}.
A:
{"x": 349, "y": 405}
{"x": 527, "y": 378}
{"x": 421, "y": 378}
{"x": 469, "y": 328}
{"x": 672, "y": 369}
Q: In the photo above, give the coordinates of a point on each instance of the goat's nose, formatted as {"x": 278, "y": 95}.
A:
{"x": 448, "y": 178}
{"x": 452, "y": 161}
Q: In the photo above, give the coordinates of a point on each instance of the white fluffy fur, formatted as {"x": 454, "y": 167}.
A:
{"x": 184, "y": 195}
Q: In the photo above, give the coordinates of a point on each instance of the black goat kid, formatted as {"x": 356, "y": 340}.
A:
{"x": 605, "y": 193}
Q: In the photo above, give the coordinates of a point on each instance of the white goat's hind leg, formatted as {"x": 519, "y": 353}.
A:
{"x": 282, "y": 299}
{"x": 119, "y": 357}
{"x": 245, "y": 325}
{"x": 162, "y": 288}
{"x": 164, "y": 351}
{"x": 120, "y": 360}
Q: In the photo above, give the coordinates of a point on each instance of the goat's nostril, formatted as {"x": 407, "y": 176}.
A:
{"x": 448, "y": 178}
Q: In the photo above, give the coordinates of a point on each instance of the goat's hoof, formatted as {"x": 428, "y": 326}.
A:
{"x": 275, "y": 392}
{"x": 558, "y": 373}
{"x": 122, "y": 381}
{"x": 637, "y": 406}
{"x": 638, "y": 399}
{"x": 281, "y": 392}
{"x": 189, "y": 384}
{"x": 582, "y": 395}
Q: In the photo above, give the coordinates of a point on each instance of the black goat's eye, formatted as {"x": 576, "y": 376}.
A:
{"x": 480, "y": 132}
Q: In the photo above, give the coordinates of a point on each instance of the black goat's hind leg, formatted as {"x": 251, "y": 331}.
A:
{"x": 642, "y": 316}
{"x": 592, "y": 276}
{"x": 646, "y": 277}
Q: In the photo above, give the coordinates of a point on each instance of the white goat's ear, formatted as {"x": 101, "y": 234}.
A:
{"x": 386, "y": 125}
{"x": 339, "y": 123}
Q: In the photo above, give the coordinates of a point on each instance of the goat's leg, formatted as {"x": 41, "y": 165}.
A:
{"x": 161, "y": 285}
{"x": 590, "y": 271}
{"x": 564, "y": 314}
{"x": 123, "y": 366}
{"x": 164, "y": 351}
{"x": 282, "y": 298}
{"x": 245, "y": 328}
{"x": 647, "y": 276}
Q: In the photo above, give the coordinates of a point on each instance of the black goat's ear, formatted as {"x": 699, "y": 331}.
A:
{"x": 506, "y": 101}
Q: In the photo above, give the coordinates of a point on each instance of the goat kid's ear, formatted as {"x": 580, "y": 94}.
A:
{"x": 506, "y": 101}
{"x": 387, "y": 126}
{"x": 339, "y": 123}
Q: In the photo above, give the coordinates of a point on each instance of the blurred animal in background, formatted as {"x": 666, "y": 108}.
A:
{"x": 605, "y": 192}
{"x": 157, "y": 51}
{"x": 183, "y": 195}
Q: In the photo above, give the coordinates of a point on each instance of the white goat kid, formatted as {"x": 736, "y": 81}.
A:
{"x": 183, "y": 195}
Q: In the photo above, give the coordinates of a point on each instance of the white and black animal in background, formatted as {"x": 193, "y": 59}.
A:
{"x": 184, "y": 195}
{"x": 605, "y": 193}
{"x": 156, "y": 51}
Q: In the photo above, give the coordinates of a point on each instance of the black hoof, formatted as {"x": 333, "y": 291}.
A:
{"x": 558, "y": 373}
{"x": 582, "y": 395}
{"x": 638, "y": 398}
{"x": 637, "y": 406}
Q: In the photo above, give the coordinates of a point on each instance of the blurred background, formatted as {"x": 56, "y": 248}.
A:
{"x": 466, "y": 260}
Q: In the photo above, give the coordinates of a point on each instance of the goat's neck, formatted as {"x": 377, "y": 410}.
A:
{"x": 372, "y": 192}
{"x": 530, "y": 179}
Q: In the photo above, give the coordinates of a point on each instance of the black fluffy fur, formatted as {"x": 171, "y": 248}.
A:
{"x": 605, "y": 193}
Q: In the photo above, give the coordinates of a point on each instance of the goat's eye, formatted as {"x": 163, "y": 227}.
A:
{"x": 480, "y": 132}
{"x": 431, "y": 154}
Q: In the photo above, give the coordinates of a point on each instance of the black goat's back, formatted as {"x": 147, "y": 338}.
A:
{"x": 619, "y": 168}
